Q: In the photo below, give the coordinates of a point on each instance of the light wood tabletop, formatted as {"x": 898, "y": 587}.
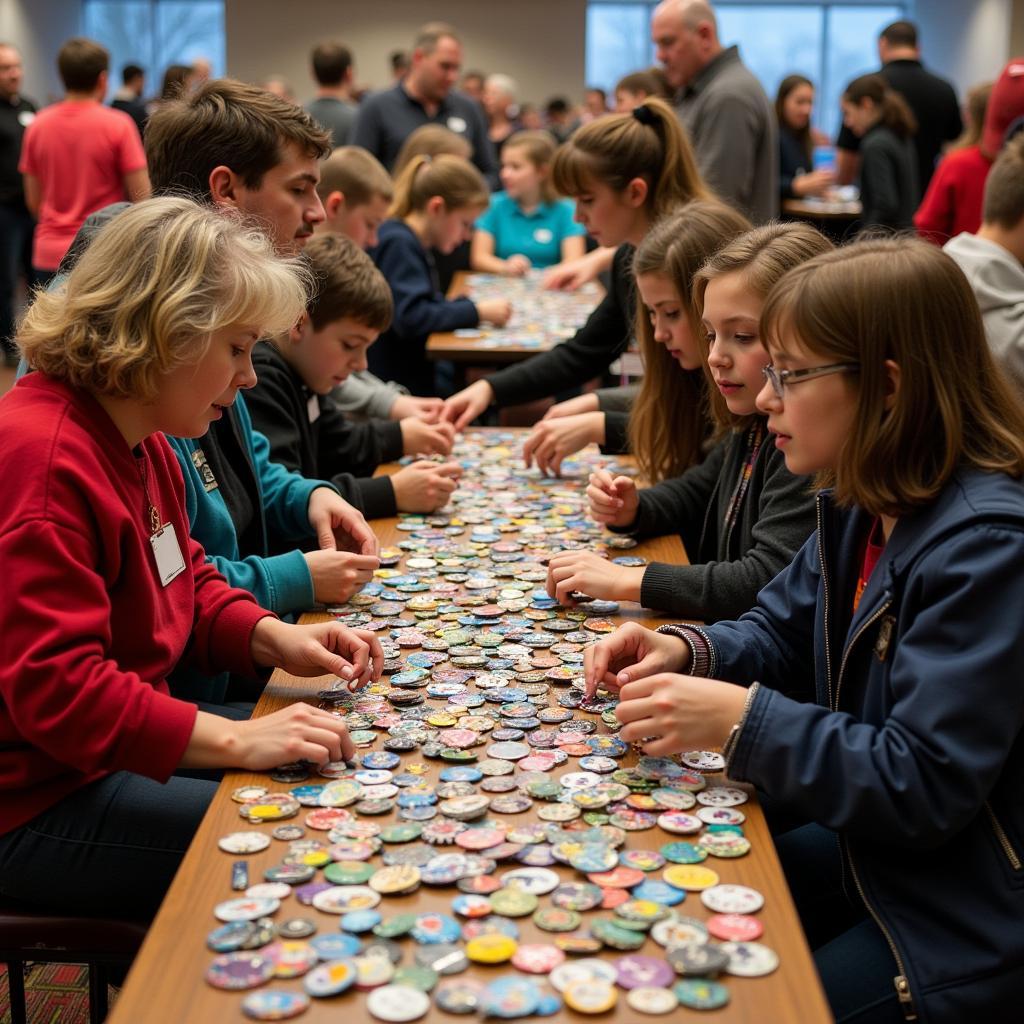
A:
{"x": 166, "y": 983}
{"x": 540, "y": 320}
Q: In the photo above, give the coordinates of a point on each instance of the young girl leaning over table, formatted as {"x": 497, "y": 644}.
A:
{"x": 897, "y": 628}
{"x": 741, "y": 513}
{"x": 104, "y": 592}
{"x": 624, "y": 171}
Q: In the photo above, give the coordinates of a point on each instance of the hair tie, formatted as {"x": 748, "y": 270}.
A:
{"x": 645, "y": 115}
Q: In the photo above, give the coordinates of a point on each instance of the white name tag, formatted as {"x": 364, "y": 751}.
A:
{"x": 313, "y": 408}
{"x": 457, "y": 124}
{"x": 169, "y": 561}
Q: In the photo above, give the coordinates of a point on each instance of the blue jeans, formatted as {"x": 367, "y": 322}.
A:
{"x": 852, "y": 956}
{"x": 16, "y": 227}
{"x": 111, "y": 848}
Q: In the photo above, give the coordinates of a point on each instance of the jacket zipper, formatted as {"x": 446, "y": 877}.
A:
{"x": 1004, "y": 839}
{"x": 825, "y": 585}
{"x": 903, "y": 993}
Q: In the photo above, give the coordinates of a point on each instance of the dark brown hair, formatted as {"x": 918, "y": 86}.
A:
{"x": 650, "y": 82}
{"x": 347, "y": 284}
{"x": 80, "y": 63}
{"x": 892, "y": 107}
{"x": 230, "y": 123}
{"x": 669, "y": 419}
{"x": 331, "y": 62}
{"x": 802, "y": 135}
{"x": 900, "y": 33}
{"x": 617, "y": 148}
{"x": 904, "y": 300}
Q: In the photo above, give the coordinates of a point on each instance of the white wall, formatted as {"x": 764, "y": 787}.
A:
{"x": 38, "y": 28}
{"x": 967, "y": 41}
{"x": 537, "y": 42}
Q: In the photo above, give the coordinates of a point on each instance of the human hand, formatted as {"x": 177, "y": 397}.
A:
{"x": 574, "y": 406}
{"x": 339, "y": 524}
{"x": 421, "y": 438}
{"x": 337, "y": 575}
{"x": 425, "y": 486}
{"x": 323, "y": 647}
{"x": 816, "y": 183}
{"x": 299, "y": 732}
{"x": 588, "y": 573}
{"x": 550, "y": 441}
{"x": 614, "y": 501}
{"x": 677, "y": 712}
{"x": 630, "y": 653}
{"x": 494, "y": 311}
{"x": 426, "y": 409}
{"x": 569, "y": 275}
{"x": 464, "y": 406}
{"x": 517, "y": 265}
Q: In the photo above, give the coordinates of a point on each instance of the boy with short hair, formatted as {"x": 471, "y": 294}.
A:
{"x": 78, "y": 156}
{"x": 291, "y": 403}
{"x": 356, "y": 192}
{"x": 993, "y": 259}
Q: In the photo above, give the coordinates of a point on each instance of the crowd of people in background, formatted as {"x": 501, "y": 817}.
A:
{"x": 193, "y": 441}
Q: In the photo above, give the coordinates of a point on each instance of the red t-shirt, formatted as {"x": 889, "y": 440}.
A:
{"x": 80, "y": 151}
{"x": 89, "y": 633}
{"x": 953, "y": 201}
{"x": 874, "y": 545}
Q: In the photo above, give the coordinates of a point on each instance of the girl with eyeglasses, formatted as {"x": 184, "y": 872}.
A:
{"x": 741, "y": 513}
{"x": 896, "y": 634}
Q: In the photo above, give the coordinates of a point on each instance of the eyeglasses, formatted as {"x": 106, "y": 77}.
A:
{"x": 779, "y": 379}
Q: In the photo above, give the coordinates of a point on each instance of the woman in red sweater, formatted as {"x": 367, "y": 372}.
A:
{"x": 104, "y": 592}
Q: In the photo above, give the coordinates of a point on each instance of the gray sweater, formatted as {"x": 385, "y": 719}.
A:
{"x": 735, "y": 136}
{"x": 728, "y": 566}
{"x": 997, "y": 278}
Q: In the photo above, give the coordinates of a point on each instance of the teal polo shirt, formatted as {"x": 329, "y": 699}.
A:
{"x": 537, "y": 235}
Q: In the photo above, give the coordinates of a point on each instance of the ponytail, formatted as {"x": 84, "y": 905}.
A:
{"x": 452, "y": 178}
{"x": 892, "y": 107}
{"x": 647, "y": 143}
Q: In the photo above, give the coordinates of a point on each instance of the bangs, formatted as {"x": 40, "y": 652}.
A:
{"x": 574, "y": 171}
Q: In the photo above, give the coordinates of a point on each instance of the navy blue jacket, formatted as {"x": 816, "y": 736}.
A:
{"x": 420, "y": 310}
{"x": 908, "y": 742}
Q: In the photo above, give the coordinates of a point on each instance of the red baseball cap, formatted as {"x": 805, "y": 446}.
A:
{"x": 1005, "y": 105}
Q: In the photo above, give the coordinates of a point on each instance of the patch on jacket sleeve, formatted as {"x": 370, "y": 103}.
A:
{"x": 204, "y": 470}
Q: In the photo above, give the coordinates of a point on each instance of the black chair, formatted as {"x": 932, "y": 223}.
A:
{"x": 28, "y": 935}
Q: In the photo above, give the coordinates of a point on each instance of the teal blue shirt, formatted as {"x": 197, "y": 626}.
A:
{"x": 537, "y": 236}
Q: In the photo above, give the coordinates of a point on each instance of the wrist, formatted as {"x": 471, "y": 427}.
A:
{"x": 735, "y": 710}
{"x": 599, "y": 427}
{"x": 263, "y": 645}
{"x": 631, "y": 583}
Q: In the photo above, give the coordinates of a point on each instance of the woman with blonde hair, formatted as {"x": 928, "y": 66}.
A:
{"x": 624, "y": 171}
{"x": 105, "y": 592}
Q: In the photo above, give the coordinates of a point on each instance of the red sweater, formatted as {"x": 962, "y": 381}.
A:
{"x": 88, "y": 633}
{"x": 953, "y": 201}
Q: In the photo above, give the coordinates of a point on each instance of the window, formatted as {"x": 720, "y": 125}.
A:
{"x": 828, "y": 41}
{"x": 156, "y": 33}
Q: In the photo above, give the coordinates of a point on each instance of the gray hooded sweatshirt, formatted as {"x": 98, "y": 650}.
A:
{"x": 997, "y": 278}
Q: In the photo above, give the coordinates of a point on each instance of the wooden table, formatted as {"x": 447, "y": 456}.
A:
{"x": 166, "y": 983}
{"x": 822, "y": 209}
{"x": 480, "y": 350}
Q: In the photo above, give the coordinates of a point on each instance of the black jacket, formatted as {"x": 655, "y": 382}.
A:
{"x": 308, "y": 433}
{"x": 888, "y": 180}
{"x": 728, "y": 566}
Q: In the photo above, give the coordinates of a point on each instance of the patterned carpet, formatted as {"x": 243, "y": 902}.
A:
{"x": 54, "y": 994}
